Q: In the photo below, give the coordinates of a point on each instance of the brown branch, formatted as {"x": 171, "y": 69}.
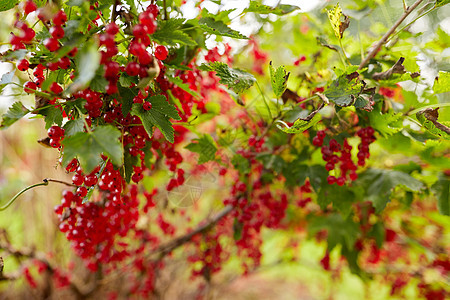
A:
{"x": 80, "y": 291}
{"x": 388, "y": 33}
{"x": 163, "y": 250}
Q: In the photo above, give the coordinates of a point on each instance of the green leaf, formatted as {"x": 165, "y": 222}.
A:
{"x": 53, "y": 115}
{"x": 204, "y": 146}
{"x": 378, "y": 185}
{"x": 159, "y": 116}
{"x": 7, "y": 4}
{"x": 126, "y": 96}
{"x": 87, "y": 147}
{"x": 14, "y": 113}
{"x": 442, "y": 83}
{"x": 279, "y": 79}
{"x": 300, "y": 125}
{"x": 295, "y": 173}
{"x": 87, "y": 62}
{"x": 126, "y": 80}
{"x": 6, "y": 79}
{"x": 441, "y": 2}
{"x": 235, "y": 79}
{"x": 442, "y": 191}
{"x": 73, "y": 126}
{"x": 317, "y": 175}
{"x": 98, "y": 84}
{"x": 340, "y": 231}
{"x": 218, "y": 27}
{"x": 428, "y": 118}
{"x": 241, "y": 164}
{"x": 387, "y": 123}
{"x": 272, "y": 162}
{"x": 168, "y": 33}
{"x": 345, "y": 89}
{"x": 378, "y": 232}
{"x": 341, "y": 197}
{"x": 257, "y": 7}
{"x": 128, "y": 162}
{"x": 339, "y": 26}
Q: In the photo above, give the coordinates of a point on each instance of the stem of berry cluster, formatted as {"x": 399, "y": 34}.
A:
{"x": 385, "y": 37}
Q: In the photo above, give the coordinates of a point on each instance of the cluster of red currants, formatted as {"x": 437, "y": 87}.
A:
{"x": 336, "y": 155}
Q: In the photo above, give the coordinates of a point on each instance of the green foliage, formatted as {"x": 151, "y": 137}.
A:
{"x": 6, "y": 79}
{"x": 218, "y": 27}
{"x": 205, "y": 147}
{"x": 235, "y": 79}
{"x": 281, "y": 9}
{"x": 335, "y": 16}
{"x": 87, "y": 62}
{"x": 87, "y": 147}
{"x": 385, "y": 123}
{"x": 14, "y": 113}
{"x": 159, "y": 116}
{"x": 279, "y": 79}
{"x": 300, "y": 125}
{"x": 442, "y": 191}
{"x": 345, "y": 89}
{"x": 8, "y": 4}
{"x": 53, "y": 115}
{"x": 73, "y": 126}
{"x": 169, "y": 33}
{"x": 378, "y": 185}
{"x": 341, "y": 231}
{"x": 442, "y": 83}
{"x": 428, "y": 118}
{"x": 342, "y": 198}
{"x": 441, "y": 2}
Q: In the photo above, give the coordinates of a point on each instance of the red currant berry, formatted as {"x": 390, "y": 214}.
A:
{"x": 147, "y": 105}
{"x": 161, "y": 52}
{"x": 51, "y": 44}
{"x": 353, "y": 176}
{"x": 56, "y": 88}
{"x": 139, "y": 30}
{"x": 317, "y": 141}
{"x": 90, "y": 180}
{"x": 132, "y": 68}
{"x": 81, "y": 191}
{"x": 321, "y": 134}
{"x": 331, "y": 179}
{"x": 112, "y": 29}
{"x": 54, "y": 143}
{"x": 29, "y": 7}
{"x": 29, "y": 87}
{"x": 340, "y": 181}
{"x": 329, "y": 166}
{"x": 57, "y": 32}
{"x": 55, "y": 132}
{"x": 111, "y": 88}
{"x": 60, "y": 18}
{"x": 23, "y": 65}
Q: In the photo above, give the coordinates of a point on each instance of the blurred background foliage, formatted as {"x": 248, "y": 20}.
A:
{"x": 289, "y": 270}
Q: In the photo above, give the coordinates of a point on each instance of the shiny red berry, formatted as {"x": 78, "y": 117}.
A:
{"x": 161, "y": 52}
{"x": 23, "y": 65}
{"x": 51, "y": 44}
{"x": 147, "y": 105}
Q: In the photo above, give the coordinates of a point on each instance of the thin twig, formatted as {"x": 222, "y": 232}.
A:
{"x": 60, "y": 181}
{"x": 383, "y": 40}
{"x": 172, "y": 245}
